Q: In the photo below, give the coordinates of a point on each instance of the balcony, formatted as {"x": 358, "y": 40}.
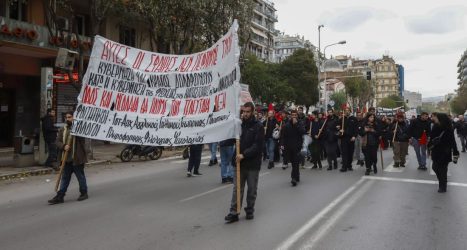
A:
{"x": 23, "y": 33}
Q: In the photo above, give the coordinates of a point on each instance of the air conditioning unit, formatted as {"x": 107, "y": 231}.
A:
{"x": 62, "y": 23}
{"x": 66, "y": 59}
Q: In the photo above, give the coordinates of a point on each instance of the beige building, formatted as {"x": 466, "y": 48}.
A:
{"x": 263, "y": 32}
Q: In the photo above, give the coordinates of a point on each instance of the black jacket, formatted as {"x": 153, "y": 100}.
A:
{"x": 292, "y": 136}
{"x": 271, "y": 125}
{"x": 330, "y": 131}
{"x": 461, "y": 128}
{"x": 417, "y": 127}
{"x": 251, "y": 144}
{"x": 371, "y": 137}
{"x": 402, "y": 132}
{"x": 443, "y": 151}
{"x": 350, "y": 127}
{"x": 227, "y": 143}
{"x": 48, "y": 129}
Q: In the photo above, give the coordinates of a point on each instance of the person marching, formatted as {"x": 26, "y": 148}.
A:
{"x": 269, "y": 126}
{"x": 400, "y": 139}
{"x": 442, "y": 148}
{"x": 281, "y": 125}
{"x": 292, "y": 141}
{"x": 315, "y": 146}
{"x": 49, "y": 132}
{"x": 348, "y": 132}
{"x": 461, "y": 128}
{"x": 370, "y": 134}
{"x": 330, "y": 137}
{"x": 418, "y": 132}
{"x": 359, "y": 155}
{"x": 251, "y": 144}
{"x": 75, "y": 158}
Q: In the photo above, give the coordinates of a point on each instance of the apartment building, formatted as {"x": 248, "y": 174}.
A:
{"x": 263, "y": 32}
{"x": 286, "y": 45}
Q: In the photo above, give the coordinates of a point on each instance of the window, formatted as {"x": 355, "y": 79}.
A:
{"x": 17, "y": 9}
{"x": 81, "y": 24}
{"x": 128, "y": 36}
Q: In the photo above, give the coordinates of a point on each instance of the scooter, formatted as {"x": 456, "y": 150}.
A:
{"x": 129, "y": 151}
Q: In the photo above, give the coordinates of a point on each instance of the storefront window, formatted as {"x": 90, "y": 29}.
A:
{"x": 127, "y": 36}
{"x": 17, "y": 9}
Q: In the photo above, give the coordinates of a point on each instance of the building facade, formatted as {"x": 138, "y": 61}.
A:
{"x": 261, "y": 43}
{"x": 285, "y": 45}
{"x": 27, "y": 46}
{"x": 413, "y": 100}
{"x": 462, "y": 69}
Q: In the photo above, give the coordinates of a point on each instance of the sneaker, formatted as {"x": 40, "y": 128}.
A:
{"x": 215, "y": 161}
{"x": 329, "y": 169}
{"x": 188, "y": 174}
{"x": 197, "y": 174}
{"x": 314, "y": 167}
{"x": 285, "y": 166}
{"x": 229, "y": 180}
{"x": 350, "y": 169}
{"x": 396, "y": 165}
{"x": 83, "y": 197}
{"x": 441, "y": 190}
{"x": 343, "y": 170}
{"x": 211, "y": 163}
{"x": 294, "y": 183}
{"x": 402, "y": 165}
{"x": 230, "y": 218}
{"x": 249, "y": 216}
{"x": 224, "y": 180}
{"x": 367, "y": 172}
{"x": 56, "y": 200}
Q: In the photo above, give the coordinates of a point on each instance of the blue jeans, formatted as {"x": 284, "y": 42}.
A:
{"x": 270, "y": 147}
{"x": 420, "y": 151}
{"x": 68, "y": 170}
{"x": 227, "y": 153}
{"x": 213, "y": 149}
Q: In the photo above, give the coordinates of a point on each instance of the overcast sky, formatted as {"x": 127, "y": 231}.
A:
{"x": 426, "y": 36}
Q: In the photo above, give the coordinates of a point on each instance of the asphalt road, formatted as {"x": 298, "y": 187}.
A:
{"x": 153, "y": 205}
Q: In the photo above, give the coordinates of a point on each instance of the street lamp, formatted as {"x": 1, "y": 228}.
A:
{"x": 319, "y": 59}
{"x": 324, "y": 68}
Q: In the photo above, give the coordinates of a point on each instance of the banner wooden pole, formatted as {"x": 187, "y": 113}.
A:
{"x": 237, "y": 183}
{"x": 395, "y": 131}
{"x": 321, "y": 129}
{"x": 62, "y": 164}
{"x": 381, "y": 154}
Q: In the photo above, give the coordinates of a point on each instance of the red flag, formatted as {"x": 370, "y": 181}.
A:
{"x": 364, "y": 110}
{"x": 381, "y": 143}
{"x": 270, "y": 107}
{"x": 424, "y": 139}
{"x": 278, "y": 117}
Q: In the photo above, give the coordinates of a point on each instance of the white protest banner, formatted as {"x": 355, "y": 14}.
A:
{"x": 245, "y": 95}
{"x": 134, "y": 96}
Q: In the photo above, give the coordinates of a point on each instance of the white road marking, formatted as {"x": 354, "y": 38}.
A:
{"x": 291, "y": 240}
{"x": 214, "y": 190}
{"x": 457, "y": 184}
{"x": 332, "y": 219}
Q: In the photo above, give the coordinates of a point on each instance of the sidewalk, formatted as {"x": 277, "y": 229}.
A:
{"x": 103, "y": 153}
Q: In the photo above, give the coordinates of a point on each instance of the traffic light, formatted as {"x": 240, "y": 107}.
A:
{"x": 368, "y": 75}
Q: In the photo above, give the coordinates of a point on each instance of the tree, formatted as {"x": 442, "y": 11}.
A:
{"x": 300, "y": 72}
{"x": 339, "y": 98}
{"x": 359, "y": 90}
{"x": 459, "y": 103}
{"x": 392, "y": 101}
{"x": 264, "y": 82}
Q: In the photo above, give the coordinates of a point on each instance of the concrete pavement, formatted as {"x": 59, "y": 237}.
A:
{"x": 153, "y": 205}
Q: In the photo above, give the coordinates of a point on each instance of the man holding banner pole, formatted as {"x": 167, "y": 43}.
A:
{"x": 248, "y": 165}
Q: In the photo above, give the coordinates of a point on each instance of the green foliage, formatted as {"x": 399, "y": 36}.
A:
{"x": 359, "y": 90}
{"x": 459, "y": 103}
{"x": 339, "y": 99}
{"x": 300, "y": 72}
{"x": 392, "y": 101}
{"x": 264, "y": 81}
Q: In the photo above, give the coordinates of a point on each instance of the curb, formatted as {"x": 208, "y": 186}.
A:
{"x": 44, "y": 171}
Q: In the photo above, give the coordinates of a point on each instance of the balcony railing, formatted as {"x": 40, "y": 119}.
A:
{"x": 37, "y": 35}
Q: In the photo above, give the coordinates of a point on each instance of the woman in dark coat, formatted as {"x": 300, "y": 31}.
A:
{"x": 370, "y": 141}
{"x": 442, "y": 147}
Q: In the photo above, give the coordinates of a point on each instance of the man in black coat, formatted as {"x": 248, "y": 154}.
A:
{"x": 419, "y": 128}
{"x": 461, "y": 128}
{"x": 251, "y": 145}
{"x": 292, "y": 142}
{"x": 348, "y": 135}
{"x": 49, "y": 132}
